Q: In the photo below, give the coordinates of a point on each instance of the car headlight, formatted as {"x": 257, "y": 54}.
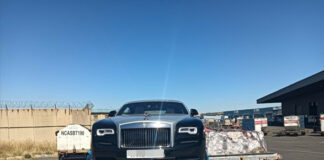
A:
{"x": 105, "y": 131}
{"x": 189, "y": 130}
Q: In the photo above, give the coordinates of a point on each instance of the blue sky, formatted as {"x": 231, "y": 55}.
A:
{"x": 212, "y": 55}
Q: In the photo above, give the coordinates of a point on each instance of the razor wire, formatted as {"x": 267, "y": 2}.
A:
{"x": 45, "y": 105}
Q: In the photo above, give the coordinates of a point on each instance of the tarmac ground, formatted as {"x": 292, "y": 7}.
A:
{"x": 310, "y": 147}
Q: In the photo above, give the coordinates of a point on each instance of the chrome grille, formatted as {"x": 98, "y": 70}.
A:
{"x": 145, "y": 137}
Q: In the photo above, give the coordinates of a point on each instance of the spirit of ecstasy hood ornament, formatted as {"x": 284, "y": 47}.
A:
{"x": 146, "y": 115}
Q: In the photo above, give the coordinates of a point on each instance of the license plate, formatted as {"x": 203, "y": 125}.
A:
{"x": 150, "y": 153}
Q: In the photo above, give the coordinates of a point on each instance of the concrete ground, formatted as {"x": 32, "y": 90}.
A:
{"x": 310, "y": 147}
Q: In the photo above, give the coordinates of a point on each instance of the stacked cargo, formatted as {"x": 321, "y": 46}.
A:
{"x": 237, "y": 145}
{"x": 238, "y": 122}
{"x": 256, "y": 124}
{"x": 294, "y": 125}
{"x": 251, "y": 125}
{"x": 264, "y": 124}
{"x": 235, "y": 142}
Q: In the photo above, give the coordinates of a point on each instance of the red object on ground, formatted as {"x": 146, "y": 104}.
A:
{"x": 207, "y": 130}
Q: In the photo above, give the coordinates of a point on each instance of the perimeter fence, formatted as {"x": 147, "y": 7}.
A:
{"x": 39, "y": 121}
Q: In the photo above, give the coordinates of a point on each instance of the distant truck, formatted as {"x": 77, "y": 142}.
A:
{"x": 73, "y": 142}
{"x": 294, "y": 125}
{"x": 322, "y": 124}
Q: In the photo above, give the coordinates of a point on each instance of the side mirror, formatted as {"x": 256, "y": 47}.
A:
{"x": 193, "y": 112}
{"x": 112, "y": 113}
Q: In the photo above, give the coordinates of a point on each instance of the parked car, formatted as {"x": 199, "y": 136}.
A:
{"x": 149, "y": 130}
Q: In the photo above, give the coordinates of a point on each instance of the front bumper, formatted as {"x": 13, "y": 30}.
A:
{"x": 180, "y": 151}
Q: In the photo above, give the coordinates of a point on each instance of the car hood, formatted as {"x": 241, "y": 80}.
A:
{"x": 165, "y": 118}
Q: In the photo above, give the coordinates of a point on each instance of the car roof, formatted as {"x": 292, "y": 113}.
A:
{"x": 140, "y": 101}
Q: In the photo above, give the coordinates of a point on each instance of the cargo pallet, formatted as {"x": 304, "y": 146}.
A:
{"x": 257, "y": 156}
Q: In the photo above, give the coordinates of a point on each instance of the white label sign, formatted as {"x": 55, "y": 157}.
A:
{"x": 291, "y": 121}
{"x": 73, "y": 137}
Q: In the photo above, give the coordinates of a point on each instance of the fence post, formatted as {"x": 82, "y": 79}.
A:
{"x": 89, "y": 113}
{"x": 32, "y": 114}
{"x": 56, "y": 123}
{"x": 8, "y": 126}
{"x": 70, "y": 116}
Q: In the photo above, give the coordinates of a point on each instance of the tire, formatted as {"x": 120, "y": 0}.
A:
{"x": 303, "y": 133}
{"x": 203, "y": 155}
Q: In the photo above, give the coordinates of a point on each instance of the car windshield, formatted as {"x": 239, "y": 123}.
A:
{"x": 153, "y": 108}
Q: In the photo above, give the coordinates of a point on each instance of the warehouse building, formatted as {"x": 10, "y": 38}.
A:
{"x": 99, "y": 114}
{"x": 256, "y": 112}
{"x": 305, "y": 97}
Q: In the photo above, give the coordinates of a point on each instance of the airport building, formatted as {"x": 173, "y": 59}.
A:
{"x": 305, "y": 97}
{"x": 256, "y": 112}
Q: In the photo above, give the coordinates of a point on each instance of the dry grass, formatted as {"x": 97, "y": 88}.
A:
{"x": 23, "y": 148}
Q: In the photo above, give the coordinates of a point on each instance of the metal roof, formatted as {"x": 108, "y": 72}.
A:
{"x": 309, "y": 84}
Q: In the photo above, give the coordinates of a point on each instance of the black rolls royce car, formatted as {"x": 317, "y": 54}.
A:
{"x": 149, "y": 130}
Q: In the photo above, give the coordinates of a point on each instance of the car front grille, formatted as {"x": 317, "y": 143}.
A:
{"x": 145, "y": 137}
